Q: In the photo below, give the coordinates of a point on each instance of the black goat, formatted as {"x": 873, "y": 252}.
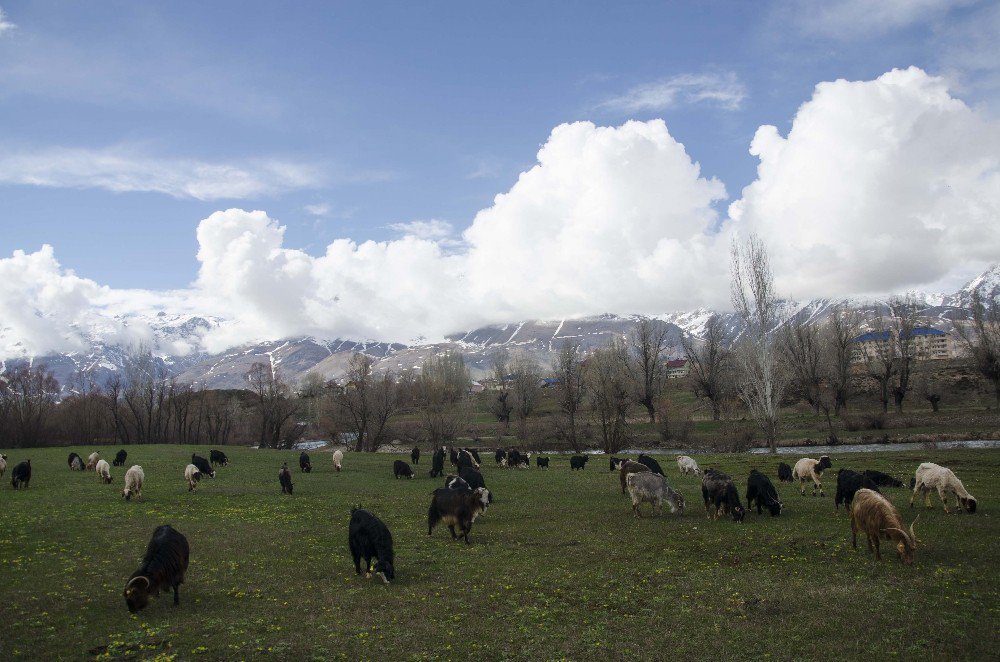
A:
{"x": 162, "y": 568}
{"x": 21, "y": 475}
{"x": 881, "y": 479}
{"x": 415, "y": 455}
{"x": 761, "y": 490}
{"x": 455, "y": 483}
{"x": 370, "y": 538}
{"x": 653, "y": 465}
{"x": 784, "y": 473}
{"x": 218, "y": 457}
{"x": 718, "y": 489}
{"x": 401, "y": 468}
{"x": 848, "y": 484}
{"x": 304, "y": 463}
{"x": 474, "y": 479}
{"x": 616, "y": 463}
{"x": 457, "y": 508}
{"x": 203, "y": 466}
{"x": 578, "y": 462}
{"x": 500, "y": 456}
{"x": 437, "y": 463}
{"x": 285, "y": 478}
{"x": 75, "y": 462}
{"x": 542, "y": 462}
{"x": 120, "y": 458}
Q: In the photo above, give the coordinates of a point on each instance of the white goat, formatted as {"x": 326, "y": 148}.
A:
{"x": 134, "y": 478}
{"x": 808, "y": 468}
{"x": 3, "y": 465}
{"x": 338, "y": 459}
{"x": 930, "y": 476}
{"x": 687, "y": 465}
{"x": 192, "y": 475}
{"x": 103, "y": 470}
{"x": 92, "y": 461}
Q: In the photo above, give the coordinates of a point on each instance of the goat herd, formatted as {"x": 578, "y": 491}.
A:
{"x": 464, "y": 497}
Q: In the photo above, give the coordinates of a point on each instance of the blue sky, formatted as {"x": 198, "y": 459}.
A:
{"x": 400, "y": 111}
{"x": 392, "y": 171}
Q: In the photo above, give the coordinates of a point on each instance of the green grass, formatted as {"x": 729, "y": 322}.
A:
{"x": 558, "y": 568}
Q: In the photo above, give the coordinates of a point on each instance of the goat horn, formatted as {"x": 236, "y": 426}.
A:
{"x": 912, "y": 532}
{"x": 135, "y": 579}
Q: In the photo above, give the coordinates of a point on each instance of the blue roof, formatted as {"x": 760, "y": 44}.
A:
{"x": 884, "y": 335}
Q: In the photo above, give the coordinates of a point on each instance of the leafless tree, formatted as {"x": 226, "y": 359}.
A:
{"x": 710, "y": 373}
{"x": 838, "y": 338}
{"x": 144, "y": 398}
{"x": 803, "y": 353}
{"x": 501, "y": 404}
{"x": 220, "y": 417}
{"x": 28, "y": 396}
{"x": 905, "y": 313}
{"x": 981, "y": 339}
{"x": 570, "y": 390}
{"x": 929, "y": 388}
{"x": 610, "y": 394}
{"x": 366, "y": 403}
{"x": 525, "y": 389}
{"x": 272, "y": 403}
{"x": 880, "y": 358}
{"x": 761, "y": 382}
{"x": 647, "y": 349}
{"x": 82, "y": 415}
{"x": 441, "y": 395}
{"x": 890, "y": 353}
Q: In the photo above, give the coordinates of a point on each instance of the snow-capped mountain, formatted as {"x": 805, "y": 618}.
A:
{"x": 175, "y": 340}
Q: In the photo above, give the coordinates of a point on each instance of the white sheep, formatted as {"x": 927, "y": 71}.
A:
{"x": 338, "y": 459}
{"x": 930, "y": 476}
{"x": 134, "y": 478}
{"x": 192, "y": 475}
{"x": 687, "y": 465}
{"x": 92, "y": 461}
{"x": 103, "y": 470}
{"x": 3, "y": 465}
{"x": 808, "y": 468}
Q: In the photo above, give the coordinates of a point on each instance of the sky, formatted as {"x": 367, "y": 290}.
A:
{"x": 402, "y": 170}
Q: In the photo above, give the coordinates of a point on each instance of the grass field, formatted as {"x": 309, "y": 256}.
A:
{"x": 558, "y": 568}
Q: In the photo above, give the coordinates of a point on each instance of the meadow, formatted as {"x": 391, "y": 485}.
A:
{"x": 558, "y": 568}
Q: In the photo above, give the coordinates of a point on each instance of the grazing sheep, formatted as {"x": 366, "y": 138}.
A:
{"x": 369, "y": 537}
{"x": 162, "y": 568}
{"x": 103, "y": 471}
{"x": 629, "y": 467}
{"x": 338, "y": 459}
{"x": 305, "y": 465}
{"x": 875, "y": 515}
{"x": 192, "y": 475}
{"x": 687, "y": 465}
{"x": 21, "y": 475}
{"x": 930, "y": 476}
{"x": 203, "y": 465}
{"x": 75, "y": 462}
{"x": 134, "y": 478}
{"x": 120, "y": 458}
{"x": 401, "y": 468}
{"x": 285, "y": 478}
{"x": 784, "y": 473}
{"x": 3, "y": 464}
{"x": 719, "y": 490}
{"x": 808, "y": 468}
{"x": 92, "y": 461}
{"x": 647, "y": 486}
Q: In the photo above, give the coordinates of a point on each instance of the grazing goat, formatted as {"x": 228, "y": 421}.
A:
{"x": 338, "y": 459}
{"x": 761, "y": 490}
{"x": 415, "y": 455}
{"x": 629, "y": 467}
{"x": 120, "y": 458}
{"x": 75, "y": 462}
{"x": 369, "y": 537}
{"x": 875, "y": 515}
{"x": 401, "y": 468}
{"x": 516, "y": 458}
{"x": 930, "y": 476}
{"x": 134, "y": 478}
{"x": 848, "y": 484}
{"x": 653, "y": 465}
{"x": 501, "y": 457}
{"x": 103, "y": 470}
{"x": 3, "y": 464}
{"x": 881, "y": 479}
{"x": 453, "y": 456}
{"x": 647, "y": 486}
{"x": 218, "y": 457}
{"x": 162, "y": 568}
{"x": 305, "y": 465}
{"x": 203, "y": 465}
{"x": 474, "y": 479}
{"x": 719, "y": 490}
{"x": 615, "y": 463}
{"x": 466, "y": 459}
{"x": 578, "y": 462}
{"x": 455, "y": 483}
{"x": 192, "y": 476}
{"x": 687, "y": 465}
{"x": 475, "y": 456}
{"x": 437, "y": 463}
{"x": 285, "y": 478}
{"x": 457, "y": 508}
{"x": 92, "y": 461}
{"x": 21, "y": 475}
{"x": 542, "y": 462}
{"x": 807, "y": 468}
{"x": 784, "y": 473}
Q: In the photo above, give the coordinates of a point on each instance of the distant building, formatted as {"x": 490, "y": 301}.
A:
{"x": 548, "y": 382}
{"x": 677, "y": 368}
{"x": 928, "y": 344}
{"x": 476, "y": 387}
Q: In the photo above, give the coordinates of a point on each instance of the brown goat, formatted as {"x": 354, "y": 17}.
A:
{"x": 875, "y": 515}
{"x": 629, "y": 467}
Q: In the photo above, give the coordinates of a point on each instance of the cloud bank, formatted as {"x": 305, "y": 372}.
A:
{"x": 878, "y": 186}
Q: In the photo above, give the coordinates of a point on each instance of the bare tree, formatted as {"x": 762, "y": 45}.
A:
{"x": 929, "y": 388}
{"x": 220, "y": 416}
{"x": 760, "y": 383}
{"x": 525, "y": 389}
{"x": 501, "y": 405}
{"x": 366, "y": 403}
{"x": 570, "y": 390}
{"x": 647, "y": 348}
{"x": 27, "y": 399}
{"x": 905, "y": 313}
{"x": 981, "y": 339}
{"x": 880, "y": 358}
{"x": 710, "y": 372}
{"x": 272, "y": 402}
{"x": 144, "y": 396}
{"x": 889, "y": 352}
{"x": 609, "y": 389}
{"x": 800, "y": 343}
{"x": 440, "y": 396}
{"x": 838, "y": 337}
